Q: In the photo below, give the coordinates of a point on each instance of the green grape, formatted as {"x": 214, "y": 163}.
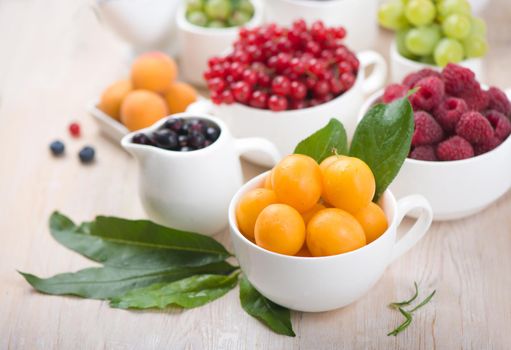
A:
{"x": 427, "y": 60}
{"x": 239, "y": 18}
{"x": 401, "y": 46}
{"x": 246, "y": 6}
{"x": 478, "y": 26}
{"x": 198, "y": 18}
{"x": 391, "y": 15}
{"x": 218, "y": 9}
{"x": 448, "y": 51}
{"x": 216, "y": 24}
{"x": 456, "y": 26}
{"x": 194, "y": 5}
{"x": 421, "y": 41}
{"x": 448, "y": 7}
{"x": 475, "y": 46}
{"x": 420, "y": 12}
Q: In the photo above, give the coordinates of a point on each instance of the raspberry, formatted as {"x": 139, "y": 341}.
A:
{"x": 500, "y": 123}
{"x": 430, "y": 94}
{"x": 426, "y": 152}
{"x": 449, "y": 112}
{"x": 412, "y": 78}
{"x": 427, "y": 130}
{"x": 486, "y": 147}
{"x": 474, "y": 127}
{"x": 393, "y": 92}
{"x": 476, "y": 99}
{"x": 454, "y": 148}
{"x": 499, "y": 101}
{"x": 457, "y": 79}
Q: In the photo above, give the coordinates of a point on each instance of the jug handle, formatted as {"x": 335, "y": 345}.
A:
{"x": 258, "y": 144}
{"x": 376, "y": 79}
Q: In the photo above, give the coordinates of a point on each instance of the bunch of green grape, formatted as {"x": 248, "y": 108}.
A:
{"x": 435, "y": 31}
{"x": 219, "y": 13}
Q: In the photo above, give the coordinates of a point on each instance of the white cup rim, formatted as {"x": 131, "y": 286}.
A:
{"x": 258, "y": 179}
{"x": 445, "y": 163}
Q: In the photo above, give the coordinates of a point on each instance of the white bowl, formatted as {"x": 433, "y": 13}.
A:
{"x": 331, "y": 282}
{"x": 358, "y": 17}
{"x": 285, "y": 129}
{"x": 402, "y": 66}
{"x": 455, "y": 189}
{"x": 198, "y": 44}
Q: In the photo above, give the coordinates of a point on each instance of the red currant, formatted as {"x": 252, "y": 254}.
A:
{"x": 321, "y": 88}
{"x": 280, "y": 85}
{"x": 298, "y": 90}
{"x": 227, "y": 97}
{"x": 241, "y": 91}
{"x": 250, "y": 77}
{"x": 74, "y": 129}
{"x": 216, "y": 84}
{"x": 277, "y": 103}
{"x": 259, "y": 99}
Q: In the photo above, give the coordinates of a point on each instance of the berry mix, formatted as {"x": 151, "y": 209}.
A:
{"x": 279, "y": 68}
{"x": 454, "y": 117}
{"x": 183, "y": 135}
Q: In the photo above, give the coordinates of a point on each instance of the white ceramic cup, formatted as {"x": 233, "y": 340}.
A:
{"x": 191, "y": 191}
{"x": 358, "y": 17}
{"x": 287, "y": 128}
{"x": 402, "y": 66}
{"x": 455, "y": 189}
{"x": 331, "y": 282}
{"x": 198, "y": 44}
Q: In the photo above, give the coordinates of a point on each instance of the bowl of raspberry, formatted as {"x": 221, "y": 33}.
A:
{"x": 282, "y": 83}
{"x": 460, "y": 158}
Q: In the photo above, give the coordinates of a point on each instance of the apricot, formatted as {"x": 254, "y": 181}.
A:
{"x": 334, "y": 231}
{"x": 373, "y": 221}
{"x": 296, "y": 181}
{"x": 250, "y": 206}
{"x": 312, "y": 211}
{"x": 112, "y": 98}
{"x": 280, "y": 229}
{"x": 304, "y": 252}
{"x": 142, "y": 108}
{"x": 153, "y": 71}
{"x": 348, "y": 183}
{"x": 179, "y": 96}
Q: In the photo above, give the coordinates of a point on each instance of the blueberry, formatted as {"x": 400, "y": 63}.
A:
{"x": 173, "y": 124}
{"x": 165, "y": 138}
{"x": 57, "y": 148}
{"x": 197, "y": 140}
{"x": 186, "y": 149}
{"x": 212, "y": 133}
{"x": 182, "y": 140}
{"x": 184, "y": 129}
{"x": 142, "y": 139}
{"x": 86, "y": 154}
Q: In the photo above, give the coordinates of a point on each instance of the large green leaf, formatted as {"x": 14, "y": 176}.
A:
{"x": 276, "y": 317}
{"x": 325, "y": 142}
{"x": 139, "y": 244}
{"x": 188, "y": 293}
{"x": 382, "y": 140}
{"x": 108, "y": 282}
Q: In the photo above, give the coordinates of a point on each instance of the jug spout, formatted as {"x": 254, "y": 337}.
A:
{"x": 136, "y": 150}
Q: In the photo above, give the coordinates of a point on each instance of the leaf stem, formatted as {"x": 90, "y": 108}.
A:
{"x": 396, "y": 305}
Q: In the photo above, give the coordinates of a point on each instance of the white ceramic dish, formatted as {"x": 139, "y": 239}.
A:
{"x": 358, "y": 17}
{"x": 191, "y": 191}
{"x": 455, "y": 189}
{"x": 327, "y": 283}
{"x": 198, "y": 44}
{"x": 402, "y": 66}
{"x": 285, "y": 129}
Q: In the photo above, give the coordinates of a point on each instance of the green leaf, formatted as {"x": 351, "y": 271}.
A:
{"x": 137, "y": 244}
{"x": 188, "y": 293}
{"x": 383, "y": 139}
{"x": 325, "y": 142}
{"x": 108, "y": 282}
{"x": 276, "y": 317}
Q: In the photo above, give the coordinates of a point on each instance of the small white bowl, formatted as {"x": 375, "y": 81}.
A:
{"x": 331, "y": 282}
{"x": 402, "y": 66}
{"x": 285, "y": 129}
{"x": 358, "y": 17}
{"x": 455, "y": 189}
{"x": 198, "y": 44}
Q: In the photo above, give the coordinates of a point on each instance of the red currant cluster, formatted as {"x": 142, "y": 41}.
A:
{"x": 277, "y": 68}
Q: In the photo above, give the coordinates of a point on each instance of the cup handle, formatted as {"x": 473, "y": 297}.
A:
{"x": 376, "y": 79}
{"x": 200, "y": 107}
{"x": 419, "y": 229}
{"x": 258, "y": 144}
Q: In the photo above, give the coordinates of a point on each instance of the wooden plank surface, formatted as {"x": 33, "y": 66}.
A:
{"x": 55, "y": 57}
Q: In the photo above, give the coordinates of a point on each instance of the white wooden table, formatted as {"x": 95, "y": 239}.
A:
{"x": 55, "y": 57}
